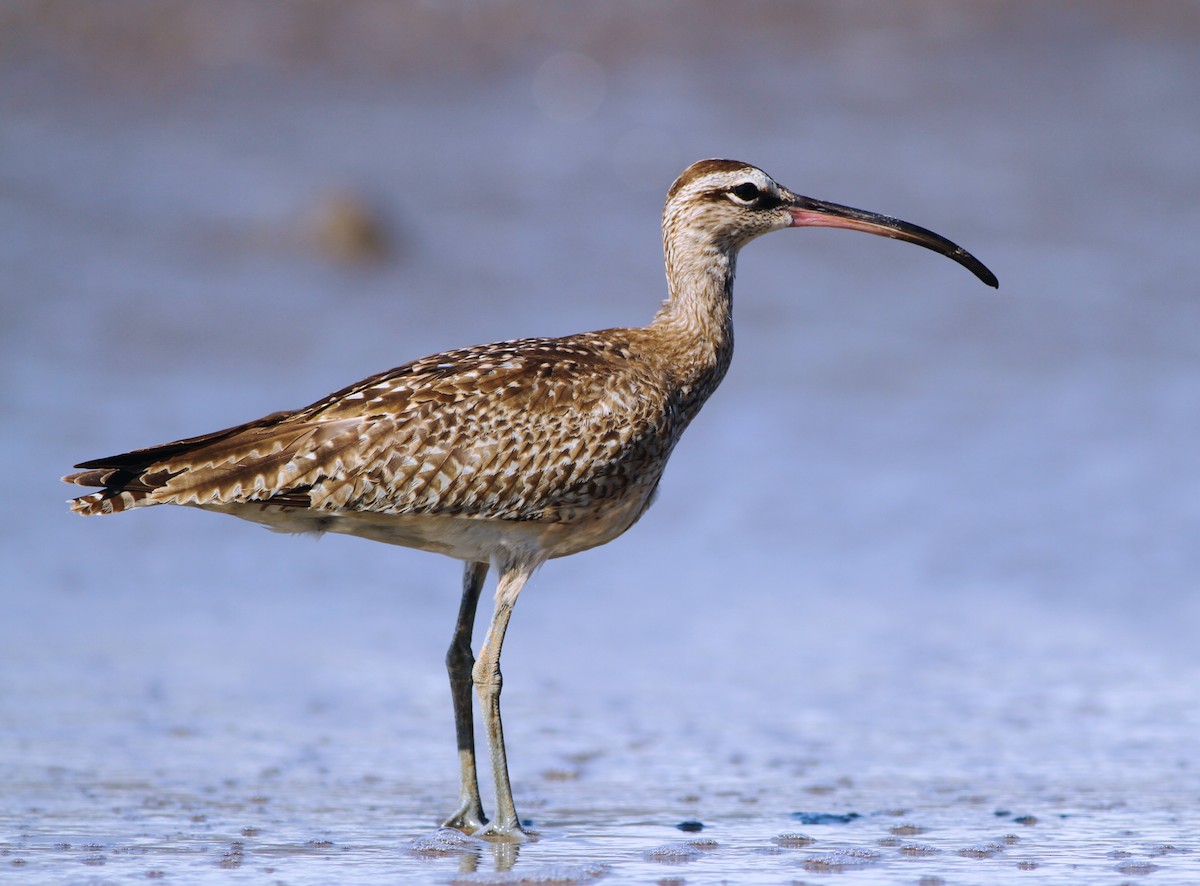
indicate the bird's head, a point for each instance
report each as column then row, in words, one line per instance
column 726, row 204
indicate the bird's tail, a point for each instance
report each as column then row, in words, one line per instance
column 132, row 479
column 117, row 493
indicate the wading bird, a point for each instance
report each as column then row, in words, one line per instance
column 507, row 454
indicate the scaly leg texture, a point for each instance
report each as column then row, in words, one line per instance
column 469, row 816
column 506, row 826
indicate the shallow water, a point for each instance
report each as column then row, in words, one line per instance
column 918, row 600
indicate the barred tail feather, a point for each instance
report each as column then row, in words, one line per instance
column 107, row 501
column 122, row 488
column 130, row 480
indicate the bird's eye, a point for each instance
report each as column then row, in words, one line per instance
column 747, row 192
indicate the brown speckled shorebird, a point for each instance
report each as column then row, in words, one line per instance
column 506, row 454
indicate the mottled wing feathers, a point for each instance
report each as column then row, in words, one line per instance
column 525, row 370
column 526, row 430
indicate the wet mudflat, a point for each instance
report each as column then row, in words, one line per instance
column 218, row 747
column 918, row 602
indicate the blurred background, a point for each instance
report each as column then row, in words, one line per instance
column 931, row 547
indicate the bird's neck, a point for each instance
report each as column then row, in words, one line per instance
column 696, row 320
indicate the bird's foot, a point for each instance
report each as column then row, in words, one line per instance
column 469, row 819
column 498, row 832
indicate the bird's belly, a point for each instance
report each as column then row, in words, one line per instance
column 477, row 539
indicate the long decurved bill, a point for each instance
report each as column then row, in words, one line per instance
column 807, row 212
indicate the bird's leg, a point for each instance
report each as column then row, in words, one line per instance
column 506, row 826
column 469, row 816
